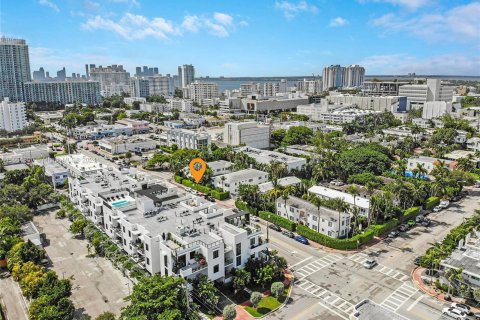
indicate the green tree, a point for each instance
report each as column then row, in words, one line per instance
column 241, row 279
column 298, row 135
column 206, row 290
column 229, row 312
column 255, row 298
column 265, row 275
column 360, row 160
column 153, row 297
column 107, row 315
column 2, row 165
column 277, row 137
column 43, row 308
column 476, row 295
column 277, row 289
column 24, row 252
column 78, row 226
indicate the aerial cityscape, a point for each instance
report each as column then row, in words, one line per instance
column 276, row 159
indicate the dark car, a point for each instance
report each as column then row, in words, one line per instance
column 393, row 234
column 289, row 234
column 426, row 222
column 403, row 227
column 302, row 239
column 209, row 198
column 274, row 227
column 416, row 261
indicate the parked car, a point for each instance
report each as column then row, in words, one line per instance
column 289, row 234
column 477, row 184
column 444, row 204
column 302, row 239
column 416, row 261
column 437, row 209
column 426, row 222
column 454, row 313
column 462, row 307
column 455, row 198
column 254, row 218
column 419, row 219
column 403, row 227
column 476, row 316
column 393, row 234
column 212, row 199
column 274, row 227
column 411, row 223
column 370, row 263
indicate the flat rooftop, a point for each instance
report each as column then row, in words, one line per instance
column 332, row 193
column 265, row 156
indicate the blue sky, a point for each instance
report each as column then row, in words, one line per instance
column 250, row 37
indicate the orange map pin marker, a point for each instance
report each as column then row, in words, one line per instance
column 197, row 168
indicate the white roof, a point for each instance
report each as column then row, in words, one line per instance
column 287, row 181
column 348, row 198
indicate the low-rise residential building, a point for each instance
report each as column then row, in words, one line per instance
column 473, row 144
column 118, row 145
column 155, row 107
column 362, row 203
column 138, row 126
column 188, row 139
column 100, row 131
column 329, row 222
column 79, row 164
column 315, row 126
column 455, row 155
column 164, row 230
column 174, row 124
column 381, row 103
column 250, row 134
column 131, row 100
column 49, row 117
column 231, row 181
column 282, row 182
column 267, row 157
column 403, row 132
column 428, row 163
column 54, row 172
column 220, row 167
column 183, row 105
column 467, row 258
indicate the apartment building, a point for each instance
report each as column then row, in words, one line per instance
column 428, row 163
column 114, row 80
column 137, row 126
column 250, row 134
column 188, row 139
column 466, row 257
column 267, row 157
column 380, row 103
column 54, row 172
column 220, row 167
column 433, row 90
column 152, row 85
column 79, row 164
column 473, row 144
column 186, row 75
column 12, row 115
column 199, row 91
column 329, row 222
column 231, row 181
column 362, row 203
column 309, row 86
column 184, row 105
column 382, row 88
column 14, row 68
column 166, row 231
column 64, row 92
column 255, row 105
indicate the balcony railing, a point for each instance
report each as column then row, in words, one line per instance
column 192, row 269
column 228, row 262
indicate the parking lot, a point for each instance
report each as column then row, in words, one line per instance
column 329, row 284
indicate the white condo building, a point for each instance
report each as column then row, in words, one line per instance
column 114, row 80
column 267, row 156
column 188, row 139
column 329, row 222
column 12, row 115
column 186, row 75
column 362, row 203
column 231, row 181
column 250, row 134
column 310, row 86
column 156, row 85
column 14, row 68
column 354, row 75
column 164, row 230
column 64, row 92
column 336, row 76
column 199, row 91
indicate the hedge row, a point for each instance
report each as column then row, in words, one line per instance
column 411, row 213
column 245, row 207
column 384, row 228
column 220, row 195
column 431, row 202
column 278, row 220
column 340, row 244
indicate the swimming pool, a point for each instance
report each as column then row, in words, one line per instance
column 119, row 203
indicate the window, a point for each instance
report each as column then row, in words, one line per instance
column 148, row 261
column 252, row 241
column 129, row 234
column 238, row 248
column 215, row 268
column 292, row 209
column 165, row 261
column 315, row 218
column 192, row 255
column 146, row 246
column 329, row 223
column 123, row 228
column 215, row 254
column 124, row 242
column 110, row 218
column 239, row 260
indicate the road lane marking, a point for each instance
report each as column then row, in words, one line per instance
column 414, row 303
column 296, row 264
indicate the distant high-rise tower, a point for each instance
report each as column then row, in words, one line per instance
column 354, row 75
column 86, row 71
column 61, row 74
column 14, row 68
column 333, row 77
column 186, row 75
column 39, row 75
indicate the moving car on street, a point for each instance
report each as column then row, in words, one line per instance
column 302, row 239
column 370, row 263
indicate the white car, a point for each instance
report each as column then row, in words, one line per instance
column 370, row 263
column 437, row 209
column 254, row 218
column 462, row 307
column 444, row 203
column 454, row 313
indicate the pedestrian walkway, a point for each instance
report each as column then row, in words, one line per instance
column 392, row 273
column 344, row 307
column 398, row 297
column 317, row 265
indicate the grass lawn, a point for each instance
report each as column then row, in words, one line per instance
column 266, row 305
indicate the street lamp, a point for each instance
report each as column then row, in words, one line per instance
column 267, row 226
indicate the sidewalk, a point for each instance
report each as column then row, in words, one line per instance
column 433, row 292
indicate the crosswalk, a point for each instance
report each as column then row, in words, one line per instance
column 316, row 265
column 398, row 297
column 341, row 305
column 392, row 273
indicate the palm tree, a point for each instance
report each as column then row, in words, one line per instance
column 421, row 170
column 318, row 202
column 453, row 275
column 353, row 191
column 222, row 178
column 370, row 186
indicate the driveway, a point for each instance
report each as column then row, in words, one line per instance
column 96, row 285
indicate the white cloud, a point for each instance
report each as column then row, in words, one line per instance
column 409, row 4
column 398, row 64
column 459, row 24
column 223, row 18
column 338, row 22
column 191, row 23
column 291, row 10
column 132, row 2
column 133, row 27
column 49, row 4
column 243, row 23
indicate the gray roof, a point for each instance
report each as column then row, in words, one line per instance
column 467, row 258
